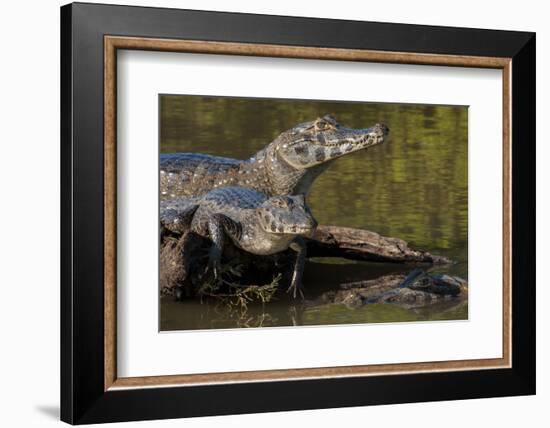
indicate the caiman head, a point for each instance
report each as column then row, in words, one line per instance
column 286, row 215
column 313, row 143
column 296, row 158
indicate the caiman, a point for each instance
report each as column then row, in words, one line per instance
column 287, row 166
column 254, row 222
column 418, row 289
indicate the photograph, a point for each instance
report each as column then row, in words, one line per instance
column 269, row 211
column 292, row 212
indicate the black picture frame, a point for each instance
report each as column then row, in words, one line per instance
column 83, row 398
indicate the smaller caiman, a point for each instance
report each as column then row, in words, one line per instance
column 287, row 166
column 254, row 222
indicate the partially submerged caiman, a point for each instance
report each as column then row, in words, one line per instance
column 287, row 166
column 417, row 289
column 252, row 221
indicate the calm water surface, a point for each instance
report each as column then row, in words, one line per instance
column 413, row 187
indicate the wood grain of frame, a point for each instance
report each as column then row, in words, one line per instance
column 113, row 43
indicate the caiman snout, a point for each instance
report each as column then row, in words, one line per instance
column 307, row 229
column 304, row 223
column 374, row 136
column 381, row 129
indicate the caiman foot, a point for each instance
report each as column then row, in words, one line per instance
column 212, row 273
column 214, row 269
column 295, row 288
column 299, row 246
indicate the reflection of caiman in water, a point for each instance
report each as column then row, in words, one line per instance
column 287, row 166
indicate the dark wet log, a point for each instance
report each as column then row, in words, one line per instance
column 359, row 244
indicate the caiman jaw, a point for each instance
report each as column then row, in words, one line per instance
column 351, row 141
column 306, row 231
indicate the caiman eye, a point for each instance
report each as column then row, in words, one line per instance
column 321, row 125
column 280, row 203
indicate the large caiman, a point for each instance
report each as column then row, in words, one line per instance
column 287, row 166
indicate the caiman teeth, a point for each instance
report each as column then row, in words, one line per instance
column 350, row 141
column 295, row 230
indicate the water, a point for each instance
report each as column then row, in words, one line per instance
column 414, row 187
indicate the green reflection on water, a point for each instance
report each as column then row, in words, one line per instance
column 414, row 187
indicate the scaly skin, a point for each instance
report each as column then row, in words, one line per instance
column 421, row 280
column 287, row 166
column 252, row 221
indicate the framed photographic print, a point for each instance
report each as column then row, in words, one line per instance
column 265, row 213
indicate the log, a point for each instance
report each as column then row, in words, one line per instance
column 184, row 257
column 359, row 244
